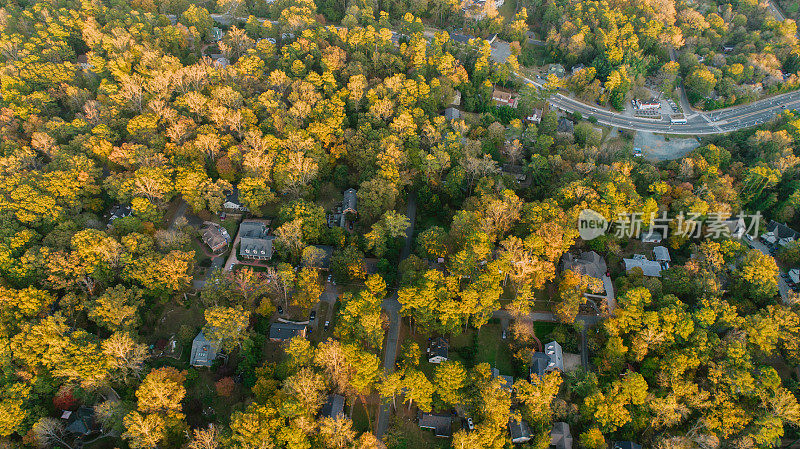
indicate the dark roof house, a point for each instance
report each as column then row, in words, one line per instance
column 519, row 430
column 440, row 424
column 333, row 407
column 258, row 249
column 119, row 211
column 81, row 421
column 232, row 202
column 560, row 436
column 437, row 350
column 452, row 114
column 286, row 331
column 565, row 125
column 204, row 351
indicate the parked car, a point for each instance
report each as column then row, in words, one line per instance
column 329, row 278
column 312, row 316
column 280, row 310
column 504, row 334
column 327, row 325
column 470, row 425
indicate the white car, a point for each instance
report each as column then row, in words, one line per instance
column 470, row 425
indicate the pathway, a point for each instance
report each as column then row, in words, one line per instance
column 392, row 307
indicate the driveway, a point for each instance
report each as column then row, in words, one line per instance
column 392, row 307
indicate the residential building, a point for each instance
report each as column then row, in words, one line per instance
column 550, row 360
column 217, row 34
column 215, row 237
column 256, row 249
column 565, row 125
column 577, row 68
column 625, row 445
column 333, row 407
column 456, row 101
column 504, row 98
column 557, row 70
column 651, row 236
column 662, row 256
column 649, row 267
column 232, row 203
column 794, row 275
column 442, row 425
column 452, row 114
column 519, row 430
column 83, row 62
column 204, row 351
column 438, row 350
column 588, row 263
column 779, row 234
column 349, row 205
column 461, row 38
column 506, row 381
column 535, row 116
column 560, row 436
column 118, row 211
column 254, row 243
column 80, row 422
column 286, row 331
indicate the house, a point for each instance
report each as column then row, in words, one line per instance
column 504, row 98
column 779, row 233
column 286, row 331
column 557, row 70
column 437, row 350
column 506, row 381
column 519, row 430
column 219, row 60
column 625, row 445
column 333, row 407
column 253, row 229
column 215, row 237
column 560, row 436
column 649, row 267
column 794, row 275
column 118, row 211
column 452, row 114
column 461, row 38
column 456, row 99
column 83, row 62
column 577, row 68
column 662, row 255
column 204, row 351
column 588, row 263
column 535, row 116
column 256, row 249
column 652, row 237
column 349, row 203
column 554, row 352
column 440, row 424
column 550, row 360
column 80, row 422
column 565, row 125
column 217, row 34
column 727, row 48
column 232, row 203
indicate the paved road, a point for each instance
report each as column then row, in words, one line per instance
column 392, row 307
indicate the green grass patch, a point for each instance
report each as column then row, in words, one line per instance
column 406, row 434
column 509, row 9
column 492, row 349
column 362, row 419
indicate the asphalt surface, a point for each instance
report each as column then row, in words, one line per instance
column 392, row 307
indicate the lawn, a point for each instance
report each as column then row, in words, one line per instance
column 490, row 348
column 509, row 9
column 361, row 419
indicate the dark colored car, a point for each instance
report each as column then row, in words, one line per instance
column 313, row 315
column 280, row 310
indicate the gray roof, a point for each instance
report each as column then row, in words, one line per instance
column 261, row 248
column 452, row 114
column 625, row 445
column 556, row 355
column 461, row 38
column 782, row 231
column 253, row 229
column 203, row 351
column 507, row 381
column 538, row 366
column 589, row 263
column 560, row 436
column 438, row 347
column 519, row 430
column 565, row 125
column 333, row 407
column 649, row 267
column 81, row 421
column 350, row 201
column 440, row 424
column 286, row 331
column 662, row 254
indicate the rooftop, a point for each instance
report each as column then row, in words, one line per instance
column 649, row 267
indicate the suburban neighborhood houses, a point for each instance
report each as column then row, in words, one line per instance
column 311, row 224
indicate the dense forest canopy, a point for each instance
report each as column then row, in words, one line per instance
column 161, row 108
